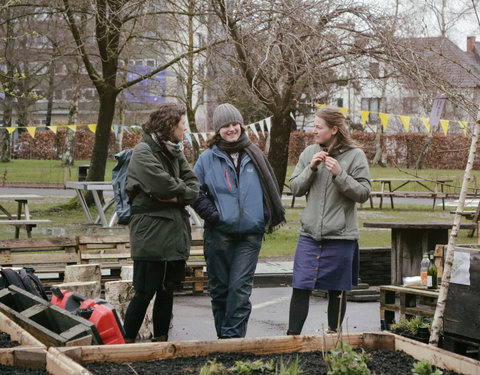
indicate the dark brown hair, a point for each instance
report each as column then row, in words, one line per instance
column 164, row 119
column 334, row 117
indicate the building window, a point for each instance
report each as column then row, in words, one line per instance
column 372, row 105
column 374, row 68
column 150, row 62
column 339, row 102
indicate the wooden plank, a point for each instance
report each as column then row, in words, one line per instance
column 441, row 358
column 60, row 364
column 25, row 222
column 30, row 357
column 407, row 290
column 34, row 259
column 262, row 345
column 37, row 243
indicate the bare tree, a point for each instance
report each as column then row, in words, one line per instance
column 282, row 47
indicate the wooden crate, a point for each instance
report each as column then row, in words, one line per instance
column 50, row 324
column 269, row 345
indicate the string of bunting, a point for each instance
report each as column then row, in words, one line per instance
column 385, row 117
column 263, row 125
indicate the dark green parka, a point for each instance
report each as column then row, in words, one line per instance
column 160, row 231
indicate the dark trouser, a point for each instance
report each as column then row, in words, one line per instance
column 299, row 305
column 162, row 311
column 231, row 262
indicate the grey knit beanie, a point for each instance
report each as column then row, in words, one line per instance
column 226, row 114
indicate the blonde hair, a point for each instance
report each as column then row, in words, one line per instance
column 334, row 117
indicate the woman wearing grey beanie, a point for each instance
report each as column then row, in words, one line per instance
column 239, row 200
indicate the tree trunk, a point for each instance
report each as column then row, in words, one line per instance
column 423, row 153
column 442, row 296
column 7, row 121
column 106, row 112
column 279, row 141
column 377, row 159
column 68, row 155
column 51, row 82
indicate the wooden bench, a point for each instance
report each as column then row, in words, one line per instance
column 407, row 301
column 48, row 256
column 27, row 224
column 406, row 194
column 113, row 252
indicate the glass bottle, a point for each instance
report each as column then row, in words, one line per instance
column 432, row 281
column 424, row 268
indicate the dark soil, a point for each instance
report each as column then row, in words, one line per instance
column 382, row 362
column 6, row 342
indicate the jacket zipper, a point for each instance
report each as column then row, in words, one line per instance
column 228, row 179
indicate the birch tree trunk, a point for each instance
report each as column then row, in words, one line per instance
column 442, row 297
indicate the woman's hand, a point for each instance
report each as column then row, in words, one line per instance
column 333, row 166
column 317, row 159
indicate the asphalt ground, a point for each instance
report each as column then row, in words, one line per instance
column 193, row 319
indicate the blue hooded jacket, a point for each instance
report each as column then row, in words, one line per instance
column 232, row 204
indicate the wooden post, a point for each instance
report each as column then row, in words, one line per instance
column 442, row 297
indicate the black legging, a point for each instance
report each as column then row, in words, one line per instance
column 299, row 305
column 162, row 311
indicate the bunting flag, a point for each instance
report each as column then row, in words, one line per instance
column 364, row 115
column 426, row 123
column 464, row 126
column 262, row 127
column 115, row 130
column 195, row 135
column 384, row 119
column 72, row 127
column 343, row 110
column 10, row 129
column 320, row 105
column 204, row 136
column 53, row 128
column 268, row 122
column 92, row 128
column 31, row 130
column 254, row 130
column 406, row 122
column 445, row 124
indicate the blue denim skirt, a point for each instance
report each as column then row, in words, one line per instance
column 326, row 265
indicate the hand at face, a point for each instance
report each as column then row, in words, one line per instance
column 317, row 159
column 333, row 166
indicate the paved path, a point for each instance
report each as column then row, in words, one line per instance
column 193, row 320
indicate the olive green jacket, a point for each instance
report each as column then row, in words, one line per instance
column 159, row 231
column 331, row 211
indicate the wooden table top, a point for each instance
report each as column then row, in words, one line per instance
column 421, row 225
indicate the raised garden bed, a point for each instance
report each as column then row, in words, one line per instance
column 188, row 356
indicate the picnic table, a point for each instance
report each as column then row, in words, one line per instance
column 95, row 187
column 390, row 188
column 410, row 241
column 102, row 186
column 22, row 217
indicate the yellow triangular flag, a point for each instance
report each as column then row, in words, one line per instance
column 343, row 110
column 73, row 127
column 463, row 125
column 427, row 125
column 53, row 128
column 10, row 129
column 384, row 119
column 31, row 130
column 93, row 127
column 319, row 106
column 406, row 122
column 364, row 115
column 445, row 124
